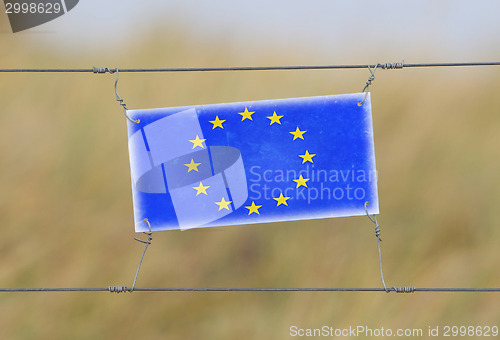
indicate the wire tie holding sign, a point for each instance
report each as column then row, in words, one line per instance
column 373, row 218
column 118, row 98
column 147, row 243
column 385, row 66
column 122, row 289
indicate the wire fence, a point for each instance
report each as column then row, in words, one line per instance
column 397, row 65
column 371, row 67
column 123, row 289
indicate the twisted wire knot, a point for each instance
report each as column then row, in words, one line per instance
column 117, row 289
column 374, row 220
column 392, row 66
column 147, row 233
column 369, row 81
column 403, row 289
column 103, row 70
column 378, row 232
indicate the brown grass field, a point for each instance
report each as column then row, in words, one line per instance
column 66, row 208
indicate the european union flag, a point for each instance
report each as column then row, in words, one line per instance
column 252, row 162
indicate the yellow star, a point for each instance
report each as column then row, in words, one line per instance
column 192, row 165
column 197, row 142
column 301, row 181
column 281, row 200
column 217, row 122
column 275, row 118
column 307, row 157
column 246, row 115
column 223, row 204
column 201, row 189
column 298, row 134
column 253, row 208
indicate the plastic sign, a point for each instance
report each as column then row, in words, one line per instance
column 252, row 162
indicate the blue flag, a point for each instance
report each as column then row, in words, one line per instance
column 252, row 162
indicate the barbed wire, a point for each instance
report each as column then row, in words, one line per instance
column 398, row 65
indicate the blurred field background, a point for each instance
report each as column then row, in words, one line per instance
column 66, row 208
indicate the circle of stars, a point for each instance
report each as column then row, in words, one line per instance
column 253, row 208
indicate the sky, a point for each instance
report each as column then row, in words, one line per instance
column 427, row 30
